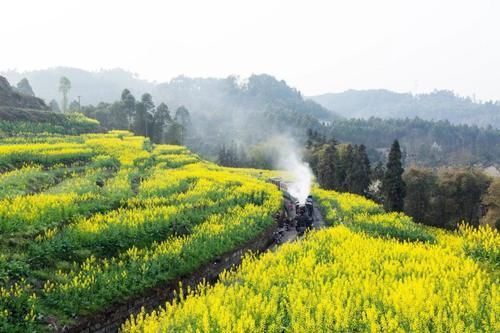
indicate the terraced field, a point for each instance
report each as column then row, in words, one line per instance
column 369, row 271
column 91, row 219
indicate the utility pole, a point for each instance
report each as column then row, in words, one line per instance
column 79, row 105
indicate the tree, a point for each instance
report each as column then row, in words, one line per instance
column 117, row 116
column 24, row 87
column 358, row 170
column 491, row 202
column 421, row 185
column 54, row 106
column 139, row 126
column 459, row 197
column 174, row 134
column 344, row 169
column 182, row 118
column 128, row 101
column 143, row 115
column 364, row 177
column 326, row 167
column 161, row 120
column 64, row 88
column 393, row 186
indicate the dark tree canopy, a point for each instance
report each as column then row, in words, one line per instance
column 326, row 171
column 393, row 186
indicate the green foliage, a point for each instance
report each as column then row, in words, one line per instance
column 342, row 167
column 393, row 186
column 23, row 122
column 448, row 197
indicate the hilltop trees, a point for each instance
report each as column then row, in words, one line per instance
column 24, row 87
column 393, row 186
column 64, row 88
column 143, row 118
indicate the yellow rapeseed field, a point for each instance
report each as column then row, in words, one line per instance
column 348, row 278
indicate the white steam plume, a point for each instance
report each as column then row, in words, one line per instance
column 302, row 176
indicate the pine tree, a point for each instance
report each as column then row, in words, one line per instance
column 326, row 167
column 393, row 186
column 361, row 172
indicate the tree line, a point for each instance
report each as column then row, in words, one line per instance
column 142, row 116
column 347, row 168
column 436, row 197
column 443, row 198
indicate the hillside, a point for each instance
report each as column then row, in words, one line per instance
column 104, row 222
column 11, row 98
column 248, row 114
column 93, row 87
column 223, row 96
column 198, row 94
column 225, row 111
column 87, row 221
column 438, row 105
column 23, row 115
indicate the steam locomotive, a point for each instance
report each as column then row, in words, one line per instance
column 300, row 214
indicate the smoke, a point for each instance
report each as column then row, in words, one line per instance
column 290, row 160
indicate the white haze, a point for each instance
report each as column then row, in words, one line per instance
column 300, row 172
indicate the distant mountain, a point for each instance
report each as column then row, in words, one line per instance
column 10, row 97
column 245, row 112
column 198, row 94
column 258, row 93
column 93, row 87
column 438, row 105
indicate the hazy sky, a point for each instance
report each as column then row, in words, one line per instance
column 316, row 46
